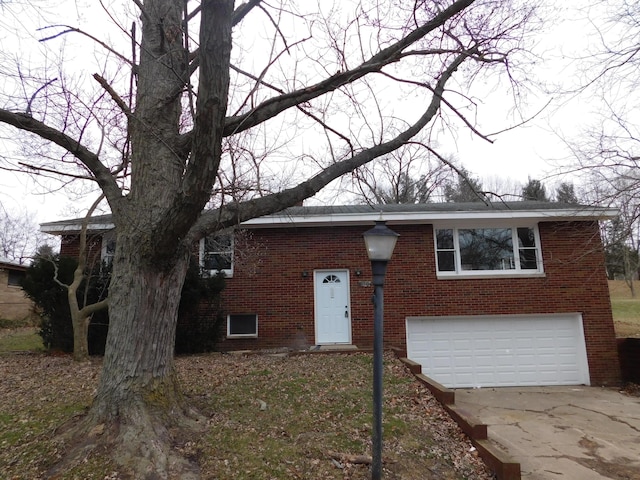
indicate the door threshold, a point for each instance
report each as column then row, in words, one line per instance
column 334, row 346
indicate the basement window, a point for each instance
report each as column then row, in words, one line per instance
column 15, row 278
column 242, row 325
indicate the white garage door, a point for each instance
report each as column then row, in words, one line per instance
column 499, row 351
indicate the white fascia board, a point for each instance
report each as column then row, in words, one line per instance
column 440, row 217
column 67, row 228
column 392, row 218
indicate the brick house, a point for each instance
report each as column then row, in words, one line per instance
column 511, row 294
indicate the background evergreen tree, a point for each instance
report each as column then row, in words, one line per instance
column 465, row 189
column 566, row 193
column 535, row 190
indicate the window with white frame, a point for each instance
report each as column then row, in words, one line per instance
column 244, row 325
column 492, row 250
column 108, row 247
column 216, row 254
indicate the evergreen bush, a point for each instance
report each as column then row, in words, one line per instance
column 199, row 322
column 51, row 300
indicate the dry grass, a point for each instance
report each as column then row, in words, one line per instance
column 270, row 417
column 23, row 339
column 626, row 309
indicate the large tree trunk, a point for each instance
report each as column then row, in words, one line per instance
column 138, row 362
column 138, row 413
column 138, row 409
column 138, row 399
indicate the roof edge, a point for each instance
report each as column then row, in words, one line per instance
column 393, row 215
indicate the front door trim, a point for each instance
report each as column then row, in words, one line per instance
column 341, row 335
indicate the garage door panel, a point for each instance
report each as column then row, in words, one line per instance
column 499, row 351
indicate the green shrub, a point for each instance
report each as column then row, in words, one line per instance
column 199, row 322
column 51, row 299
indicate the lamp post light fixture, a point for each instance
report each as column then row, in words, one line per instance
column 380, row 242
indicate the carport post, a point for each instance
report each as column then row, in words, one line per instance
column 380, row 242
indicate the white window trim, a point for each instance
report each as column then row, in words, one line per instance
column 228, row 272
column 106, row 238
column 241, row 335
column 458, row 273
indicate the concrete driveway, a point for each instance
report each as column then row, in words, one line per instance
column 566, row 433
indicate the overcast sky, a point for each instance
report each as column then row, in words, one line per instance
column 532, row 150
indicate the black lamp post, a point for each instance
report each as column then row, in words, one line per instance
column 380, row 242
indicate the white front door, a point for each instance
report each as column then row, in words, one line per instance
column 333, row 309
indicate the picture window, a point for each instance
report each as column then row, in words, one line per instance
column 491, row 250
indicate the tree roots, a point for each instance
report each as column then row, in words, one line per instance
column 141, row 443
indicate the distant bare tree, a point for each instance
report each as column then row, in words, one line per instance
column 607, row 152
column 502, row 188
column 20, row 235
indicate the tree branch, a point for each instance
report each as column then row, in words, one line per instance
column 235, row 213
column 272, row 107
column 101, row 173
column 81, row 32
column 113, row 94
column 36, row 168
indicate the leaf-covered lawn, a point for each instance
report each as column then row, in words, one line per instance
column 269, row 417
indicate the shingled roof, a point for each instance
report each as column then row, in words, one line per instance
column 392, row 213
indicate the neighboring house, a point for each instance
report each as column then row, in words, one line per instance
column 506, row 294
column 14, row 304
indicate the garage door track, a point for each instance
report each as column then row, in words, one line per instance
column 579, row 432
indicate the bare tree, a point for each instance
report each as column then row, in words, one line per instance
column 408, row 175
column 607, row 151
column 621, row 236
column 502, row 188
column 81, row 316
column 20, row 236
column 151, row 138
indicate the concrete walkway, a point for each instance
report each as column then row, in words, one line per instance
column 581, row 433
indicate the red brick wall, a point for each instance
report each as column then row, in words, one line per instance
column 268, row 281
column 276, row 290
column 70, row 247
